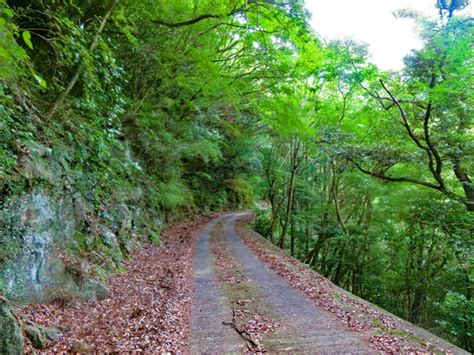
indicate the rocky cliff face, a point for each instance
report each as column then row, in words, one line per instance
column 36, row 229
column 60, row 233
column 63, row 229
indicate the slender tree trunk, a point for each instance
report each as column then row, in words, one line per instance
column 339, row 268
column 310, row 254
column 292, row 230
column 306, row 239
column 324, row 258
column 467, row 184
column 290, row 194
column 79, row 70
column 276, row 206
column 272, row 197
column 288, row 212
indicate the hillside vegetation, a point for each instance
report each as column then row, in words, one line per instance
column 120, row 116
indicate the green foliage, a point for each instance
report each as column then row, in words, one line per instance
column 457, row 311
column 12, row 56
column 262, row 221
column 364, row 175
column 154, row 238
column 382, row 199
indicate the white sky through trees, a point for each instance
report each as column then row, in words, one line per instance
column 372, row 22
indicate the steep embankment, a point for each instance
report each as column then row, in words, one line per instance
column 64, row 228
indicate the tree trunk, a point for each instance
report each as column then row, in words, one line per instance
column 466, row 183
column 275, row 216
column 77, row 74
column 288, row 212
column 290, row 194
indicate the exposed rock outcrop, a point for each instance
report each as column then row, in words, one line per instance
column 36, row 227
column 60, row 236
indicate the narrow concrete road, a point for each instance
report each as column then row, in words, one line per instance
column 304, row 327
column 209, row 307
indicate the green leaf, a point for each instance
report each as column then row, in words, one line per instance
column 7, row 12
column 40, row 80
column 27, row 38
column 3, row 52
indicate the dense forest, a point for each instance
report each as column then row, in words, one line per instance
column 182, row 107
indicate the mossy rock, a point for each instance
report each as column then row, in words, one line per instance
column 94, row 289
column 11, row 339
column 37, row 337
column 40, row 336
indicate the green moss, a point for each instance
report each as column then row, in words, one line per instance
column 37, row 336
column 9, row 235
column 11, row 339
column 376, row 322
column 154, row 237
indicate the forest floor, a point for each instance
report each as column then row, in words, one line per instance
column 216, row 286
column 148, row 306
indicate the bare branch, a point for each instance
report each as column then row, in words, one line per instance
column 187, row 22
column 404, row 118
column 382, row 176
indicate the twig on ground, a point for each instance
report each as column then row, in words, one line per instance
column 253, row 343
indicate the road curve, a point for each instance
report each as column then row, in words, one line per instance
column 304, row 327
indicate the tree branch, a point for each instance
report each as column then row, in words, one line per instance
column 187, row 22
column 235, row 10
column 382, row 176
column 439, row 163
column 404, row 118
column 200, row 18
